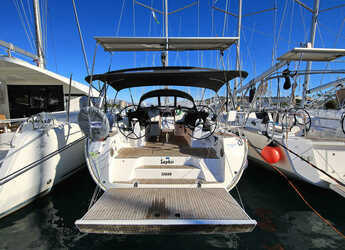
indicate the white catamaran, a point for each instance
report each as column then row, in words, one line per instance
column 41, row 143
column 167, row 165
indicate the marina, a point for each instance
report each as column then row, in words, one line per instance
column 284, row 221
column 155, row 133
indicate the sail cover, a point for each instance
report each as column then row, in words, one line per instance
column 162, row 44
column 168, row 76
column 312, row 54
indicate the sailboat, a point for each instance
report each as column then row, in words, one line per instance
column 166, row 166
column 41, row 143
column 288, row 138
column 291, row 137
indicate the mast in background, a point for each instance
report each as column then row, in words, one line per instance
column 39, row 46
column 238, row 59
column 311, row 41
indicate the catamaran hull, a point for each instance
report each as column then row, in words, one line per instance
column 38, row 161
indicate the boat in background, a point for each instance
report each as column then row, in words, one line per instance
column 288, row 137
column 41, row 143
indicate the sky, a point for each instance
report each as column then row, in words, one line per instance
column 262, row 34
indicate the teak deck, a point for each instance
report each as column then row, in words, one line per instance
column 166, row 150
column 176, row 146
column 166, row 210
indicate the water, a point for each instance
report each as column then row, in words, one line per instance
column 284, row 221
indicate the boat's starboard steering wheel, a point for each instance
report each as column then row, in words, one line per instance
column 204, row 118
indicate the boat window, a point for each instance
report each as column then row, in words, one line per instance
column 184, row 102
column 27, row 100
column 153, row 101
column 167, row 101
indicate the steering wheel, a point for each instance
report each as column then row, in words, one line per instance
column 131, row 120
column 301, row 117
column 205, row 118
column 288, row 120
column 342, row 122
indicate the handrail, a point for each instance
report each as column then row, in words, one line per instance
column 13, row 48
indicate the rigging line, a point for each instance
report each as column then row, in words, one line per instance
column 82, row 41
column 323, row 45
column 134, row 32
column 120, row 18
column 212, row 25
column 46, row 27
column 53, row 40
column 177, row 57
column 304, row 25
column 274, row 22
column 31, row 17
column 249, row 53
column 26, row 20
column 310, row 163
column 225, row 17
column 198, row 29
column 339, row 32
column 212, row 19
column 262, row 33
column 228, row 90
column 150, row 30
column 291, row 23
column 281, row 24
column 300, row 194
column 337, row 36
column 23, row 24
column 275, row 14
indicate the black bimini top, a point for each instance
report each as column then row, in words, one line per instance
column 168, row 76
column 166, row 92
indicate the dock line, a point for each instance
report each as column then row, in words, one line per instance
column 300, row 195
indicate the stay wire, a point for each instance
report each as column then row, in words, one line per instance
column 26, row 20
column 23, row 24
column 310, row 163
column 120, row 18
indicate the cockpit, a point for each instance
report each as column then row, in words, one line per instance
column 167, row 111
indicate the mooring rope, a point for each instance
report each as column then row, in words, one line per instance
column 310, row 163
column 300, row 195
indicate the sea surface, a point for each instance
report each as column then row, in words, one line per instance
column 284, row 221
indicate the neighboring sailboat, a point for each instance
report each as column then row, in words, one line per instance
column 297, row 146
column 41, row 143
column 167, row 166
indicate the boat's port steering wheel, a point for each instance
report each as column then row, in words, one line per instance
column 133, row 123
column 205, row 118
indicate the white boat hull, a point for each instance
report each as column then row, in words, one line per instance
column 327, row 155
column 38, row 160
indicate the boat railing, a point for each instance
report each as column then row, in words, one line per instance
column 39, row 121
column 12, row 48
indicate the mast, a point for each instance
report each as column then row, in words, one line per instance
column 311, row 40
column 41, row 61
column 238, row 66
